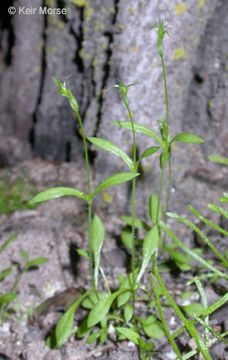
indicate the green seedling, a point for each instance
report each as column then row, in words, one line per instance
column 7, row 299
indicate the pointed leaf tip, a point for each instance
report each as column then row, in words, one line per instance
column 188, row 138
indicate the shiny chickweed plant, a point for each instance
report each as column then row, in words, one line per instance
column 119, row 307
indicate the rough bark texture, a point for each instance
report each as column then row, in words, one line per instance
column 97, row 43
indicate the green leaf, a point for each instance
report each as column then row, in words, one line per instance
column 129, row 334
column 128, row 312
column 194, row 309
column 92, row 299
column 103, row 337
column 224, row 198
column 4, row 273
column 218, row 159
column 93, row 337
column 126, row 238
column 114, row 180
column 182, row 266
column 7, row 242
column 218, row 209
column 139, row 224
column 114, row 149
column 100, row 310
column 24, row 254
column 148, row 152
column 7, row 298
column 187, row 294
column 83, row 329
column 125, row 283
column 57, row 192
column 153, row 208
column 180, row 259
column 150, row 246
column 188, row 138
column 148, row 321
column 64, row 326
column 35, row 262
column 97, row 239
column 138, row 128
column 83, row 252
column 154, row 330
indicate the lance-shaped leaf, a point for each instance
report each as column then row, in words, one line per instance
column 57, row 192
column 128, row 334
column 218, row 159
column 100, row 310
column 7, row 298
column 35, row 262
column 150, row 246
column 114, row 149
column 97, row 239
column 64, row 328
column 113, row 180
column 218, row 209
column 225, row 198
column 153, row 208
column 138, row 128
column 5, row 272
column 138, row 224
column 149, row 151
column 7, row 242
column 188, row 138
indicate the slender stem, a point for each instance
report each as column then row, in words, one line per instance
column 168, row 189
column 159, row 196
column 166, row 92
column 189, row 326
column 167, row 139
column 105, row 280
column 85, row 151
column 18, row 279
column 89, row 202
column 133, row 210
column 171, row 340
column 205, row 305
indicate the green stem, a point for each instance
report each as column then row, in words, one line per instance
column 205, row 305
column 133, row 209
column 18, row 279
column 168, row 189
column 166, row 92
column 85, row 151
column 160, row 191
column 189, row 326
column 89, row 202
column 171, row 340
column 105, row 280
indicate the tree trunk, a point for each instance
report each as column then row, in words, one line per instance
column 97, row 43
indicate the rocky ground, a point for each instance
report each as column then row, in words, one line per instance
column 55, row 230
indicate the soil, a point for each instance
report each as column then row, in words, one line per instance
column 55, row 230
